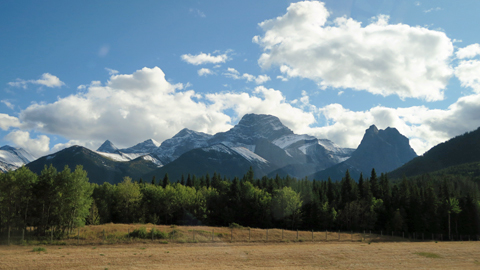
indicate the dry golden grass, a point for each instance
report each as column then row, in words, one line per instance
column 221, row 255
column 118, row 233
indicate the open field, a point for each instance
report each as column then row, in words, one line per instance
column 299, row 255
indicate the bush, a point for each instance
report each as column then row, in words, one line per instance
column 234, row 225
column 39, row 249
column 143, row 234
column 139, row 233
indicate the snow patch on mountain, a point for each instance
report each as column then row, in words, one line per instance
column 249, row 155
column 12, row 158
column 285, row 141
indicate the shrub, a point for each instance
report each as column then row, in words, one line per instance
column 143, row 234
column 234, row 225
column 39, row 249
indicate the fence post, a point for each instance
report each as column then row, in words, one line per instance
column 9, row 235
column 267, row 234
column 213, row 233
column 338, row 235
column 282, row 234
column 193, row 235
column 351, row 236
column 51, row 234
column 364, row 239
column 297, row 234
column 326, row 235
column 249, row 234
column 103, row 235
column 312, row 236
column 78, row 235
column 231, row 235
column 128, row 234
column 23, row 235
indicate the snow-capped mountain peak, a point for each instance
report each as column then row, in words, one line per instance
column 148, row 146
column 107, row 147
column 12, row 158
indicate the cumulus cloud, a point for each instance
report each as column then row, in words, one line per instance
column 381, row 58
column 47, row 80
column 7, row 121
column 205, row 72
column 468, row 52
column 234, row 74
column 432, row 9
column 204, row 58
column 468, row 72
column 38, row 147
column 125, row 110
column 263, row 101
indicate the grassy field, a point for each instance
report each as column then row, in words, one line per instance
column 193, row 248
column 118, row 233
column 300, row 255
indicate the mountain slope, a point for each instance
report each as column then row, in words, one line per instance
column 456, row 151
column 383, row 150
column 219, row 158
column 12, row 158
column 99, row 168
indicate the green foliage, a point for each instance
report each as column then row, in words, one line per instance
column 39, row 249
column 234, row 225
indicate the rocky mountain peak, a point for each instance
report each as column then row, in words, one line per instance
column 253, row 127
column 107, row 147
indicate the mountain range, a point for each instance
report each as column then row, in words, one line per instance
column 261, row 142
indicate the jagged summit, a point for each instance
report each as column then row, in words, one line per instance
column 107, row 147
column 11, row 158
column 148, row 146
column 251, row 128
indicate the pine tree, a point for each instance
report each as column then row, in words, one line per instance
column 166, row 181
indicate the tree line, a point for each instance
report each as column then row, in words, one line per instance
column 60, row 201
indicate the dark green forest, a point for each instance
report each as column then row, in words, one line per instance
column 61, row 201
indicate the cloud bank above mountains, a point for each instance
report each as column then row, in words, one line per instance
column 379, row 58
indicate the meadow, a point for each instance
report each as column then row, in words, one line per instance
column 231, row 248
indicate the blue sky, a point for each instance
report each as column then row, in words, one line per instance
column 81, row 72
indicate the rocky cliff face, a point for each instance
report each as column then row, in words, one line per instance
column 384, row 150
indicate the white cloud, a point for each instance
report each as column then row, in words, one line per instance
column 125, row 110
column 197, row 12
column 283, row 79
column 8, row 104
column 7, row 121
column 47, row 80
column 37, row 147
column 468, row 72
column 204, row 58
column 433, row 9
column 382, row 58
column 111, row 71
column 104, row 50
column 468, row 52
column 205, row 72
column 234, row 74
column 263, row 101
column 60, row 146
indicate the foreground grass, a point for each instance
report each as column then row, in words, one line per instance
column 241, row 255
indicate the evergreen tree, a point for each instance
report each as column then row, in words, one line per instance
column 166, row 181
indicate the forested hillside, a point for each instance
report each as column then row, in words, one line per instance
column 456, row 151
column 63, row 200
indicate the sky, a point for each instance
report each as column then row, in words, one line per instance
column 82, row 72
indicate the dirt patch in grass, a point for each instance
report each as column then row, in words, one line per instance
column 244, row 255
